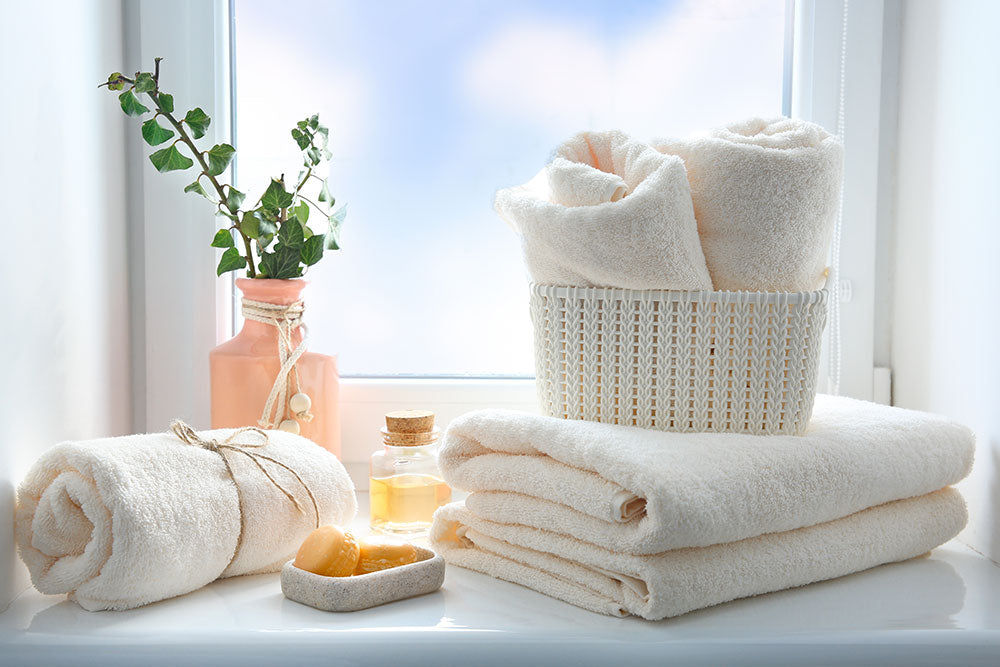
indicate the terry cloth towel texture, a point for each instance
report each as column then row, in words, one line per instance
column 579, row 184
column 679, row 581
column 644, row 492
column 121, row 522
column 765, row 196
column 647, row 239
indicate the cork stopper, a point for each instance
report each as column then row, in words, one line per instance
column 409, row 421
column 409, row 428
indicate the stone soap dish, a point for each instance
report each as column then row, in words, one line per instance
column 362, row 591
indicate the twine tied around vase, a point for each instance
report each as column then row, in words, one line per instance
column 189, row 436
column 284, row 318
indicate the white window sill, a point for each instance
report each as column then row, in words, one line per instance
column 936, row 610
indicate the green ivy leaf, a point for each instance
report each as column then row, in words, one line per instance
column 234, row 198
column 250, row 225
column 302, row 212
column 170, row 159
column 144, row 83
column 130, row 105
column 302, row 124
column 333, row 232
column 276, row 197
column 290, row 234
column 262, row 244
column 115, row 81
column 223, row 239
column 314, row 121
column 198, row 190
column 166, row 102
column 324, row 194
column 282, row 264
column 219, row 156
column 314, row 155
column 301, row 139
column 268, row 230
column 154, row 134
column 230, row 261
column 312, row 250
column 257, row 228
column 198, row 121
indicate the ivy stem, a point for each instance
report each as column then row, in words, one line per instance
column 303, row 181
column 183, row 136
column 317, row 206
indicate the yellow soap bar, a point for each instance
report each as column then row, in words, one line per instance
column 377, row 556
column 329, row 551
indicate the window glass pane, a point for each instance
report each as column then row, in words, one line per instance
column 433, row 106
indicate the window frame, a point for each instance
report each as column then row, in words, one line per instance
column 163, row 328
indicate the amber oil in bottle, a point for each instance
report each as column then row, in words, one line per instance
column 405, row 484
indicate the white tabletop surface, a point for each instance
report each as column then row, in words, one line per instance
column 939, row 610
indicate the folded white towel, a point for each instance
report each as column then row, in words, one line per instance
column 676, row 582
column 765, row 196
column 121, row 522
column 648, row 239
column 641, row 491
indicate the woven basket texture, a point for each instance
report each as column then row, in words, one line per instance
column 743, row 362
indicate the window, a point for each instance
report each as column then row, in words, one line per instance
column 433, row 105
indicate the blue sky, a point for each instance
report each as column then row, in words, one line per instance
column 433, row 106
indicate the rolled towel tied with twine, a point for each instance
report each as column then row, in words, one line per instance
column 118, row 523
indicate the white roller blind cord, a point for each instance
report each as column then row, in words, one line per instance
column 835, row 351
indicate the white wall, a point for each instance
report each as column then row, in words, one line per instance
column 64, row 326
column 946, row 242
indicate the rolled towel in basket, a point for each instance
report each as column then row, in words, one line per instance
column 679, row 581
column 646, row 239
column 578, row 184
column 121, row 522
column 765, row 196
column 642, row 491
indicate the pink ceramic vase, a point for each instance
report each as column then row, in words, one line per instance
column 243, row 371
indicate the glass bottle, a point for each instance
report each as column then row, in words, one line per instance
column 405, row 482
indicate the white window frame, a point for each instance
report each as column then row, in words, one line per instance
column 816, row 90
column 171, row 322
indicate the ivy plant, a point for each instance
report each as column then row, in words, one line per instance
column 277, row 225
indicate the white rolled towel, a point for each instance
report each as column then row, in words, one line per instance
column 765, row 196
column 117, row 523
column 642, row 491
column 676, row 582
column 578, row 184
column 579, row 228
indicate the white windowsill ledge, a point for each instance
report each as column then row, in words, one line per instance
column 928, row 611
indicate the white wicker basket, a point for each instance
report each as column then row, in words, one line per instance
column 679, row 361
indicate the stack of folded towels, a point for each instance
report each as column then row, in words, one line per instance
column 621, row 520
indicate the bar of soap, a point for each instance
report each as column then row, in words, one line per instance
column 329, row 551
column 376, row 556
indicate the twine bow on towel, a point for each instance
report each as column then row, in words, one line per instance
column 189, row 436
column 284, row 318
